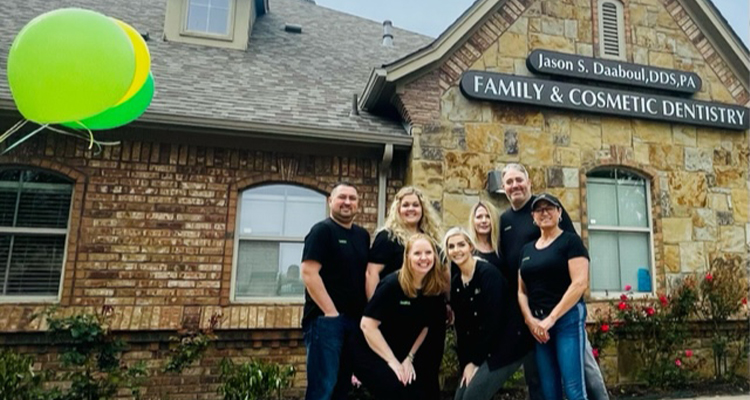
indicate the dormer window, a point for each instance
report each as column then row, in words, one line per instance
column 209, row 17
column 217, row 23
column 611, row 30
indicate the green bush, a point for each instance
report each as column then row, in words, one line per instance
column 91, row 356
column 18, row 381
column 254, row 380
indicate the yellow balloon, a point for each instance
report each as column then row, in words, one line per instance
column 142, row 60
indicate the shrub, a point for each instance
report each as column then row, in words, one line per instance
column 659, row 331
column 18, row 381
column 191, row 345
column 92, row 356
column 254, row 380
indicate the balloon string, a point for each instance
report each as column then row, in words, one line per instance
column 25, row 138
column 13, row 129
column 81, row 136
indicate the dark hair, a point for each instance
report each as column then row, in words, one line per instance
column 343, row 183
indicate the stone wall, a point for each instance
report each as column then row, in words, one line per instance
column 698, row 176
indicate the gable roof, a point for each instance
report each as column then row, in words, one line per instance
column 381, row 85
column 293, row 82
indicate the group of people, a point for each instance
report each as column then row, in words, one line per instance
column 512, row 286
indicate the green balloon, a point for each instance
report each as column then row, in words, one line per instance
column 121, row 114
column 69, row 64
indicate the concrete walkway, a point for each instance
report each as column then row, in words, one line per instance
column 720, row 397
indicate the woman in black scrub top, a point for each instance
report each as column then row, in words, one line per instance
column 409, row 213
column 483, row 227
column 553, row 276
column 397, row 321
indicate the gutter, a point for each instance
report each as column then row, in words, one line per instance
column 251, row 128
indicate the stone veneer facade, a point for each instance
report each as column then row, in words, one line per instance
column 698, row 176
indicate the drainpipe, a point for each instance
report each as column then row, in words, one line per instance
column 385, row 168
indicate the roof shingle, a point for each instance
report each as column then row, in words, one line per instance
column 305, row 79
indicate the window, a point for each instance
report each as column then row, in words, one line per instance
column 272, row 223
column 34, row 214
column 619, row 231
column 211, row 17
column 611, row 30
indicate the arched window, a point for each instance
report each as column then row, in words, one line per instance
column 272, row 223
column 611, row 30
column 620, row 232
column 34, row 215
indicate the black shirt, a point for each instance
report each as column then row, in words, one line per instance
column 483, row 323
column 402, row 318
column 388, row 252
column 492, row 258
column 342, row 254
column 516, row 229
column 545, row 272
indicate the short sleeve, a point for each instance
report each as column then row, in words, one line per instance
column 383, row 300
column 316, row 243
column 382, row 248
column 575, row 247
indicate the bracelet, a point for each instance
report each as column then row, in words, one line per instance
column 410, row 356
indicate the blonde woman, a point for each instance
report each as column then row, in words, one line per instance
column 481, row 300
column 483, row 228
column 397, row 321
column 410, row 213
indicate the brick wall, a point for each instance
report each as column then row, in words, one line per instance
column 152, row 227
column 198, row 381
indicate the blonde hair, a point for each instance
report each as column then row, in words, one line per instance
column 429, row 224
column 455, row 231
column 494, row 222
column 435, row 283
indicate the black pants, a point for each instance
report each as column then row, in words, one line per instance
column 428, row 359
column 381, row 381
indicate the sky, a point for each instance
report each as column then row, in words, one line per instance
column 430, row 17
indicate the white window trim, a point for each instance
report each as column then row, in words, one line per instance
column 229, row 37
column 609, row 295
column 620, row 29
column 15, row 299
column 233, row 298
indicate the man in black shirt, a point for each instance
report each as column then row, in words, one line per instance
column 516, row 229
column 334, row 261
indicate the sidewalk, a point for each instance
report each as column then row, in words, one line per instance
column 745, row 396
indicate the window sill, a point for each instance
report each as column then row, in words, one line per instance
column 28, row 300
column 597, row 297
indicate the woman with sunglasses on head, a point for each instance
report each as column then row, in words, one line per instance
column 397, row 321
column 553, row 276
column 410, row 213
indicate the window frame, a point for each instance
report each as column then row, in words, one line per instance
column 231, row 17
column 13, row 299
column 233, row 298
column 620, row 8
column 607, row 294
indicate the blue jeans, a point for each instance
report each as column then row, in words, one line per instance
column 329, row 356
column 561, row 358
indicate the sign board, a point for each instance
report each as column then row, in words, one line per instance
column 482, row 85
column 595, row 69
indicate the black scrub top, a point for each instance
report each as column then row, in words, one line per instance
column 545, row 272
column 402, row 318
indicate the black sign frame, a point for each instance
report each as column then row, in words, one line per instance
column 611, row 71
column 539, row 92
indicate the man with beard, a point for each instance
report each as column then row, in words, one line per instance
column 334, row 262
column 516, row 229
